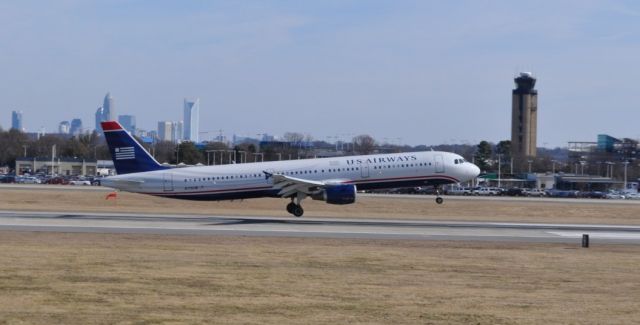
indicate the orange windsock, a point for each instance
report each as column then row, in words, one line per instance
column 112, row 195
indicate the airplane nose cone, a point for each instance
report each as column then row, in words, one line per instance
column 473, row 171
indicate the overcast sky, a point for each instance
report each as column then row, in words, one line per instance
column 419, row 72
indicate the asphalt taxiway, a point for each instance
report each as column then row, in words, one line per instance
column 314, row 227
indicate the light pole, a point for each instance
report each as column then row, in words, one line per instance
column 626, row 163
column 24, row 146
column 53, row 156
column 553, row 166
column 582, row 163
column 529, row 161
column 499, row 170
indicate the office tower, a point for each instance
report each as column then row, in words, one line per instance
column 524, row 113
column 191, row 119
column 165, row 130
column 109, row 113
column 177, row 131
column 64, row 127
column 16, row 120
column 128, row 122
column 99, row 118
column 76, row 127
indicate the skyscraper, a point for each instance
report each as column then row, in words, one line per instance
column 16, row 120
column 524, row 117
column 106, row 112
column 128, row 122
column 177, row 131
column 99, row 118
column 64, row 127
column 191, row 119
column 109, row 113
column 165, row 130
column 76, row 127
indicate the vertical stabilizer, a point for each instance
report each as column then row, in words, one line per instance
column 127, row 154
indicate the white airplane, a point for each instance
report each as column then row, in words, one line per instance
column 333, row 180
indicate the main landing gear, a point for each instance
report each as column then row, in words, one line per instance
column 439, row 199
column 295, row 208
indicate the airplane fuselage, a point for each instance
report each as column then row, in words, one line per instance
column 252, row 180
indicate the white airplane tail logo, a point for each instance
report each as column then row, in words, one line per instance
column 125, row 153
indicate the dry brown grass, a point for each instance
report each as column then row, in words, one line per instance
column 365, row 207
column 61, row 278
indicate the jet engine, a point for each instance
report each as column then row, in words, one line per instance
column 337, row 194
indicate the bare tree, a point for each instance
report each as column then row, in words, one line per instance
column 364, row 144
column 293, row 137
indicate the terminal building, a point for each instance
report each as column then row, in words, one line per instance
column 57, row 166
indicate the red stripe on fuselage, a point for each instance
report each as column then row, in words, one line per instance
column 243, row 189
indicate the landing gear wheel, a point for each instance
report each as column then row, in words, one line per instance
column 439, row 200
column 290, row 207
column 297, row 211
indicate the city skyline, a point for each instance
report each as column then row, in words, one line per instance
column 423, row 72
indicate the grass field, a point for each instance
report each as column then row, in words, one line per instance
column 76, row 278
column 140, row 279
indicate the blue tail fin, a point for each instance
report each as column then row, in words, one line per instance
column 127, row 154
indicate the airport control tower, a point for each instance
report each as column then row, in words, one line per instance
column 524, row 117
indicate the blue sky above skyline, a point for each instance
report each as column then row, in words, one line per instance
column 425, row 72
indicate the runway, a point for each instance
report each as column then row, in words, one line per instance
column 314, row 227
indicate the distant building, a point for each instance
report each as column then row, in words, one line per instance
column 64, row 127
column 191, row 119
column 177, row 131
column 109, row 111
column 128, row 122
column 524, row 117
column 165, row 130
column 59, row 166
column 605, row 152
column 99, row 118
column 16, row 120
column 105, row 112
column 76, row 127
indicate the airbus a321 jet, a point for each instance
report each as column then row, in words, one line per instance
column 333, row 180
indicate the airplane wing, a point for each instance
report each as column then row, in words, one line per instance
column 289, row 186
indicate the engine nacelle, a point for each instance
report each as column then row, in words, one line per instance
column 337, row 194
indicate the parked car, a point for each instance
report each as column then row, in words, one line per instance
column 593, row 195
column 632, row 196
column 8, row 179
column 534, row 192
column 459, row 191
column 57, row 180
column 562, row 193
column 27, row 180
column 486, row 191
column 80, row 182
column 614, row 195
column 515, row 191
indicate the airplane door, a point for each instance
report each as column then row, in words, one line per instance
column 364, row 170
column 439, row 162
column 167, row 182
